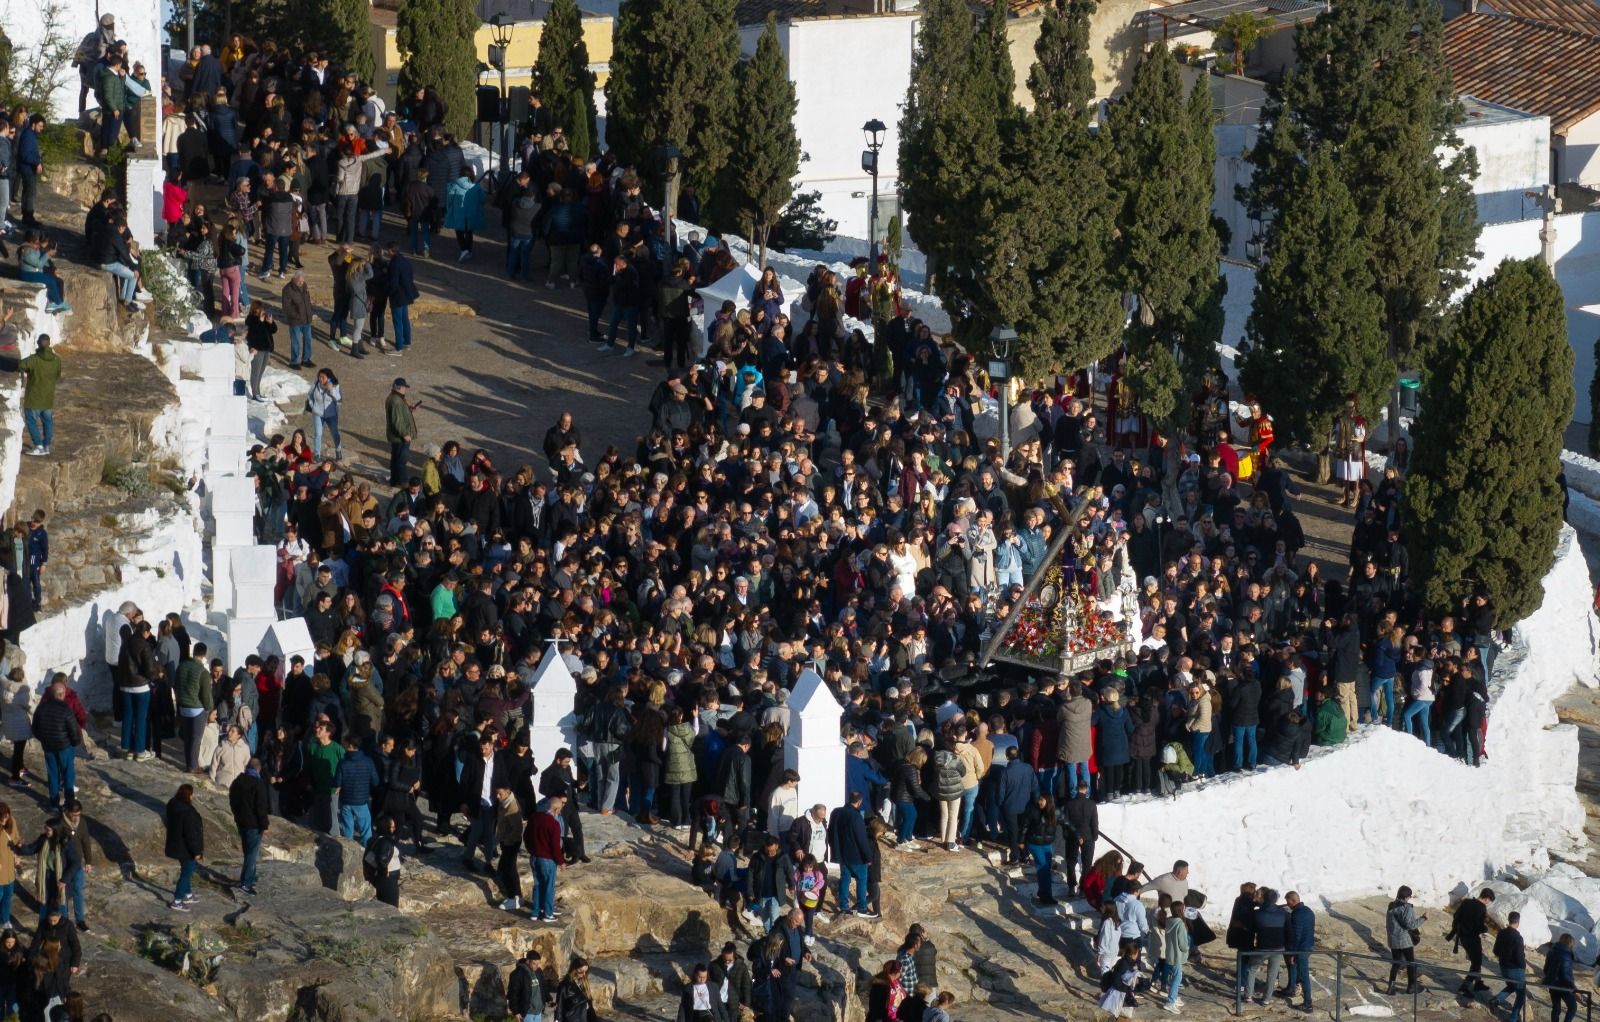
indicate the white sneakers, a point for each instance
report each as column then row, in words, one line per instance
column 511, row 904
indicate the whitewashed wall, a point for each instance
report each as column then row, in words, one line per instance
column 1383, row 810
column 28, row 21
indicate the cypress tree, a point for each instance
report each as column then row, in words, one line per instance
column 1483, row 508
column 958, row 111
column 1168, row 249
column 348, row 40
column 561, row 75
column 761, row 178
column 1371, row 87
column 669, row 83
column 1047, row 247
column 1316, row 327
column 437, row 51
column 1062, row 77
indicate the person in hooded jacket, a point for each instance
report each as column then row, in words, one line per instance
column 1558, row 976
column 1113, row 732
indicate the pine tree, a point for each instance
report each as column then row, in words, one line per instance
column 761, row 180
column 1168, row 250
column 1483, row 508
column 561, row 75
column 1316, row 327
column 669, row 83
column 1062, row 78
column 437, row 50
column 958, row 112
column 1371, row 87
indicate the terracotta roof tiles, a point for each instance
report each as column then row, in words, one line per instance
column 1526, row 65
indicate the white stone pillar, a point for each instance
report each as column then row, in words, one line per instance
column 813, row 747
column 553, row 724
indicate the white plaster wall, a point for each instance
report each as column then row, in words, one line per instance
column 1382, row 809
column 1513, row 158
column 872, row 54
column 1578, row 154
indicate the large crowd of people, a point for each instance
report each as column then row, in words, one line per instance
column 805, row 495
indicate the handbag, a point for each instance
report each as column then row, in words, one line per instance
column 1416, row 937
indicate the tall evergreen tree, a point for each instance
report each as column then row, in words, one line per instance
column 1169, row 253
column 437, row 50
column 1316, row 327
column 349, row 41
column 1371, row 87
column 1483, row 508
column 670, row 83
column 1062, row 77
column 958, row 111
column 561, row 75
column 761, row 180
column 1047, row 247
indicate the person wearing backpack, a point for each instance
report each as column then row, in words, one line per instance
column 380, row 862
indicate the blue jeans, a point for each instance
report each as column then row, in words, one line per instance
column 544, row 887
column 518, row 251
column 41, row 423
column 1043, row 860
column 369, row 223
column 857, row 873
column 401, row 314
column 280, row 244
column 1076, row 772
column 1386, row 686
column 317, row 423
column 61, row 771
column 251, row 840
column 768, row 909
column 356, row 822
column 1175, row 981
column 135, row 720
column 418, row 230
column 1516, row 983
column 969, row 798
column 75, row 892
column 1200, row 754
column 1047, row 781
column 52, row 287
column 185, row 880
column 628, row 314
column 1300, row 974
column 6, row 891
column 906, row 815
column 1244, row 736
column 1421, row 712
column 300, row 344
column 125, row 280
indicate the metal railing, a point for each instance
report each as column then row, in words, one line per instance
column 1244, row 967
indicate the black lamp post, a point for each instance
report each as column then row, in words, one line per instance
column 873, row 130
column 500, row 27
column 1001, row 340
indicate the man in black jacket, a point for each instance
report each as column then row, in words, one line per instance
column 1080, row 829
column 525, row 993
column 730, row 984
column 251, row 802
column 1512, row 957
column 733, row 784
column 56, row 926
column 558, row 779
column 56, row 727
column 1471, row 923
column 1271, row 929
column 480, row 777
column 851, row 847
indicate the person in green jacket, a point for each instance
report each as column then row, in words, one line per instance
column 111, row 93
column 192, row 689
column 41, row 371
column 400, row 427
column 444, row 600
column 323, row 756
column 1331, row 725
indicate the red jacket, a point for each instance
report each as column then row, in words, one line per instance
column 76, row 706
column 543, row 837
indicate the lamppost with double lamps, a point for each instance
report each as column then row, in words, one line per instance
column 873, row 130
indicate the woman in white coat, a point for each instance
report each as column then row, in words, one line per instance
column 230, row 759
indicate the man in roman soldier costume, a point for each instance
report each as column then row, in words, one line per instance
column 1350, row 450
column 1259, row 424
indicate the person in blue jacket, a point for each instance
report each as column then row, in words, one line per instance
column 1558, row 977
column 402, row 292
column 860, row 775
column 1113, row 731
column 1299, row 940
column 463, row 211
column 1018, row 787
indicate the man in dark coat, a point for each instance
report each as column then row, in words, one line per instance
column 851, row 847
column 734, row 785
column 730, row 978
column 558, row 779
column 1471, row 923
column 250, row 798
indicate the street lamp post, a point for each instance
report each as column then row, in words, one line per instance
column 1000, row 342
column 873, row 130
column 500, row 26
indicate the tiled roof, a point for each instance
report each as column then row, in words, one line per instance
column 1525, row 65
column 754, row 12
column 1580, row 15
